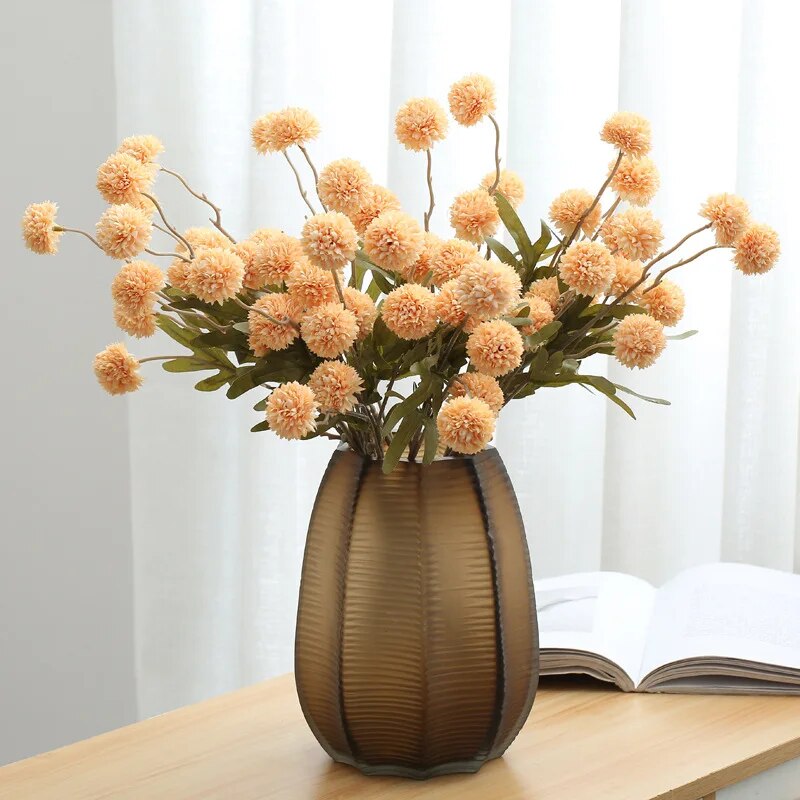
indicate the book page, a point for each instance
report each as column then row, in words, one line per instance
column 726, row 611
column 603, row 613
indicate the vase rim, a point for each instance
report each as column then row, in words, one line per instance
column 345, row 448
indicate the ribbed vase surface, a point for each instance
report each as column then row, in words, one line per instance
column 417, row 645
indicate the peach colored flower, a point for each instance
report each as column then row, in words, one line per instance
column 329, row 240
column 203, row 237
column 487, row 289
column 247, row 250
column 728, row 215
column 363, row 307
column 635, row 233
column 626, row 274
column 474, row 215
column 144, row 148
column 140, row 322
column 465, row 425
column 540, row 314
column 279, row 130
column 394, row 240
column 135, row 285
column 177, row 274
column 292, row 410
column 453, row 256
column 343, row 185
column 628, row 132
column 587, row 267
column 547, row 289
column 329, row 330
column 38, row 222
column 510, row 186
column 484, row 387
column 420, row 123
column 215, row 275
column 471, row 99
column 311, row 286
column 448, row 309
column 495, row 347
column 335, row 385
column 568, row 209
column 409, row 311
column 265, row 334
column 757, row 250
column 665, row 302
column 377, row 199
column 124, row 231
column 638, row 341
column 424, row 265
column 116, row 370
column 636, row 180
column 121, row 177
column 276, row 255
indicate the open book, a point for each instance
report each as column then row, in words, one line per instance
column 718, row 628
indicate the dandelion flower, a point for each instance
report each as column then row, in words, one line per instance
column 728, row 215
column 636, row 180
column 264, row 334
column 628, row 132
column 448, row 309
column 453, row 256
column 117, row 371
column 140, row 322
column 587, row 267
column 471, row 99
column 495, row 347
column 136, row 283
column 215, row 275
column 665, row 303
column 569, row 207
column 292, row 410
column 335, row 385
column 635, row 233
column 540, row 315
column 424, row 265
column 484, row 387
column 38, row 222
column 279, row 130
column 311, row 286
column 364, row 309
column 465, row 425
column 474, row 215
column 638, row 341
column 757, row 250
column 420, row 123
column 121, row 178
column 343, row 184
column 394, row 240
column 276, row 255
column 409, row 311
column 510, row 186
column 487, row 289
column 329, row 240
column 547, row 289
column 377, row 200
column 626, row 274
column 145, row 148
column 329, row 330
column 124, row 231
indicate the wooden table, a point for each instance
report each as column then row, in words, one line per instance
column 582, row 742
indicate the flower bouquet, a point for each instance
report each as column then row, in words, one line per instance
column 365, row 327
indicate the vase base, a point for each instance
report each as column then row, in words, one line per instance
column 415, row 773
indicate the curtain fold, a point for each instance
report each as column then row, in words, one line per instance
column 219, row 514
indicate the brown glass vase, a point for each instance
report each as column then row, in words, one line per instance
column 417, row 645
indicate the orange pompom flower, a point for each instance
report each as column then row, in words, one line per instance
column 484, row 387
column 665, row 303
column 116, row 370
column 728, row 215
column 311, row 286
column 121, row 178
column 292, row 410
column 336, row 386
column 394, row 240
column 276, row 255
column 638, row 341
column 465, row 425
column 487, row 289
column 329, row 240
column 329, row 330
column 38, row 228
column 144, row 148
column 364, row 309
column 277, row 333
column 636, row 180
column 587, row 267
column 635, row 233
column 409, row 311
column 215, row 275
column 377, row 199
column 568, row 209
column 495, row 347
column 471, row 99
column 628, row 132
column 343, row 185
column 540, row 314
column 510, row 186
column 140, row 323
column 627, row 273
column 124, row 231
column 453, row 256
column 420, row 123
column 474, row 215
column 448, row 309
column 135, row 285
column 757, row 250
column 547, row 289
column 279, row 130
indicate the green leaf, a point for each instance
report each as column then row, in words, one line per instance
column 609, row 311
column 518, row 322
column 431, row 440
column 262, row 426
column 243, row 327
column 517, row 230
column 657, row 400
column 400, row 440
column 543, row 335
column 538, row 252
column 685, row 335
column 214, row 382
column 608, row 389
column 184, row 336
column 261, row 405
column 502, row 252
column 411, row 404
column 188, row 364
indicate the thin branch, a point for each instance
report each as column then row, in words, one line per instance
column 427, row 215
column 612, row 208
column 168, row 255
column 338, row 284
column 275, row 320
column 61, row 229
column 660, row 276
column 314, row 173
column 299, row 182
column 172, row 230
column 158, row 358
column 217, row 221
column 496, row 153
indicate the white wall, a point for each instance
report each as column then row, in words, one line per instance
column 66, row 653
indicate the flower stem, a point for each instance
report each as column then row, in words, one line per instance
column 274, row 320
column 314, row 173
column 61, row 229
column 427, row 215
column 172, row 230
column 168, row 255
column 299, row 182
column 496, row 154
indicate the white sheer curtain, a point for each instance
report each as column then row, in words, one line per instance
column 220, row 514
